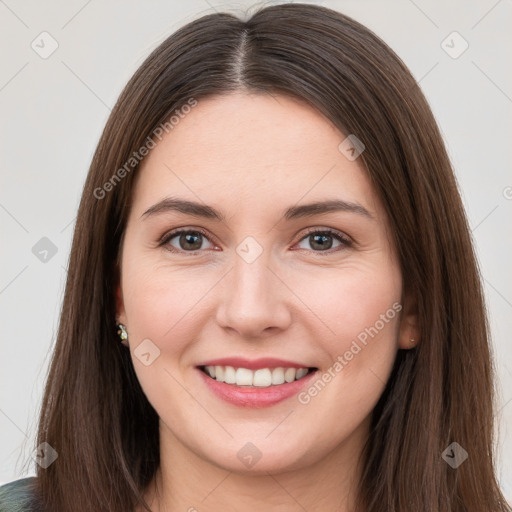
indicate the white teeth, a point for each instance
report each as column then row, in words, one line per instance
column 229, row 375
column 262, row 378
column 278, row 376
column 219, row 373
column 289, row 374
column 300, row 373
column 243, row 377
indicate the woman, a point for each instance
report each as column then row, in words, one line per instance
column 272, row 299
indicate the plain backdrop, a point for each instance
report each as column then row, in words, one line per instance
column 53, row 110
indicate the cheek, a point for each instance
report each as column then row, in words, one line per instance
column 160, row 304
column 358, row 302
column 363, row 308
column 365, row 317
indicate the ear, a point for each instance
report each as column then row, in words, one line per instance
column 409, row 335
column 120, row 311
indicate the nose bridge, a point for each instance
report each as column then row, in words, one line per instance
column 253, row 297
column 251, row 281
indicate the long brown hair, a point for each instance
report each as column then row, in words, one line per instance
column 94, row 412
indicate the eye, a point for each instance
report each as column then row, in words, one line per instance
column 322, row 240
column 184, row 240
column 192, row 240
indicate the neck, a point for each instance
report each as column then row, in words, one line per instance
column 187, row 482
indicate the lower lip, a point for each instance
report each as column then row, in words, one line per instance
column 254, row 397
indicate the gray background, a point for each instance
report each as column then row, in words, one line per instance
column 54, row 109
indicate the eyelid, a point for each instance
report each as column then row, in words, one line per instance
column 331, row 231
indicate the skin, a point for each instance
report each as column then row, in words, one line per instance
column 251, row 156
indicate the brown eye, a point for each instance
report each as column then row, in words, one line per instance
column 322, row 241
column 185, row 241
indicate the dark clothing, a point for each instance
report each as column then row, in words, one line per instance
column 19, row 496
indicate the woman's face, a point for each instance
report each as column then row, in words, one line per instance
column 252, row 286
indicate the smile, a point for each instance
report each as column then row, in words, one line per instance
column 260, row 378
column 254, row 383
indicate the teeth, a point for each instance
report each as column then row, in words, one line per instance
column 262, row 378
column 229, row 375
column 278, row 376
column 289, row 374
column 243, row 377
column 301, row 372
column 219, row 373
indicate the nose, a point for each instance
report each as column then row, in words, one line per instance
column 253, row 300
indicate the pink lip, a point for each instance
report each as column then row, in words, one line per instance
column 256, row 364
column 253, row 397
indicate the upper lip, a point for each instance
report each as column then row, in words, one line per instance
column 253, row 364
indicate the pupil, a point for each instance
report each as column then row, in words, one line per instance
column 188, row 239
column 322, row 243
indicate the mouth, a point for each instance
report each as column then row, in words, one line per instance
column 259, row 378
column 254, row 384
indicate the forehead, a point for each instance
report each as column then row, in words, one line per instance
column 245, row 150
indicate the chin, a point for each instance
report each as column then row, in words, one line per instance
column 260, row 458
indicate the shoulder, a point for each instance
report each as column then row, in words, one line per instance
column 19, row 496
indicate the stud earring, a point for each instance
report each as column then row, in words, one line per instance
column 121, row 331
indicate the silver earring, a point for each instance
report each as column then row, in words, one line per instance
column 121, row 331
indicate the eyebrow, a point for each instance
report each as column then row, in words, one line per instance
column 293, row 212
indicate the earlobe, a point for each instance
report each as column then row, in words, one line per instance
column 409, row 335
column 121, row 317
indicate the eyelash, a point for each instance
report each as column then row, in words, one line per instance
column 345, row 241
